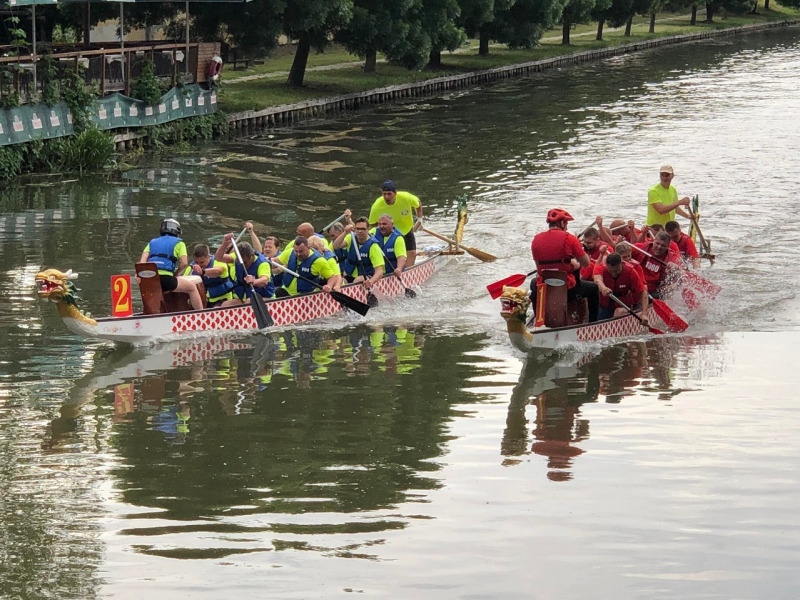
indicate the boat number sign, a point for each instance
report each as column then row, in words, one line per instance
column 121, row 305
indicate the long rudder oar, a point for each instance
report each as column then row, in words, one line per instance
column 479, row 254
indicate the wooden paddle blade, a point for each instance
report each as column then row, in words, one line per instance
column 351, row 303
column 480, row 254
column 496, row 289
column 263, row 318
column 673, row 321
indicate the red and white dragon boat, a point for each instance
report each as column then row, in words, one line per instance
column 141, row 329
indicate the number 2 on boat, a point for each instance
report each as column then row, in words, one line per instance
column 121, row 305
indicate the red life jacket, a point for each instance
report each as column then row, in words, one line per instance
column 623, row 287
column 550, row 250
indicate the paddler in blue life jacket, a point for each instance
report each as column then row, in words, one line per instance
column 311, row 265
column 364, row 252
column 168, row 252
column 256, row 271
column 334, row 231
column 215, row 274
column 320, row 247
column 393, row 245
column 270, row 249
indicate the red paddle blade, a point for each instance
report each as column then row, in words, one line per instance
column 673, row 321
column 655, row 331
column 496, row 289
column 691, row 299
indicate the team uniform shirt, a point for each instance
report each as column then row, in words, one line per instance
column 628, row 287
column 653, row 270
column 552, row 251
column 375, row 254
column 178, row 252
column 686, row 247
column 218, row 288
column 402, row 211
column 241, row 290
column 637, row 267
column 399, row 247
column 320, row 268
column 666, row 196
column 594, row 256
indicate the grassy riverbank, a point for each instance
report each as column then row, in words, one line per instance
column 337, row 72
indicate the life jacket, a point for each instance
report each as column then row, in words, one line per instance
column 622, row 287
column 353, row 253
column 304, row 269
column 241, row 290
column 387, row 246
column 162, row 253
column 219, row 287
column 549, row 250
column 330, row 254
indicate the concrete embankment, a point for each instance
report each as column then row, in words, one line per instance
column 290, row 114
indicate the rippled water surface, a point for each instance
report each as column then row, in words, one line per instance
column 415, row 454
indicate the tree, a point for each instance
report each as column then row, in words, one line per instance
column 438, row 18
column 599, row 11
column 522, row 24
column 474, row 15
column 253, row 27
column 384, row 26
column 575, row 11
column 311, row 23
column 733, row 6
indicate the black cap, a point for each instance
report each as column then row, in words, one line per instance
column 389, row 186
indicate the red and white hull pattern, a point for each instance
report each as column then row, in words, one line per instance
column 619, row 327
column 142, row 329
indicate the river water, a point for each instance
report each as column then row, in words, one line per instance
column 415, row 453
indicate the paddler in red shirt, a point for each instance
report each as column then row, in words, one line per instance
column 684, row 243
column 596, row 251
column 656, row 269
column 558, row 250
column 621, row 279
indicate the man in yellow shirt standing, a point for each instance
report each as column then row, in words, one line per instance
column 662, row 199
column 401, row 206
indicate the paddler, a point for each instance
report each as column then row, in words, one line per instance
column 392, row 244
column 401, row 206
column 684, row 243
column 312, row 266
column 364, row 261
column 168, row 252
column 256, row 271
column 558, row 250
column 621, row 279
column 662, row 199
column 655, row 270
column 215, row 274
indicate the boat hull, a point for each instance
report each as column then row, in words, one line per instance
column 143, row 329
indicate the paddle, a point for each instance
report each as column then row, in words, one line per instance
column 479, row 254
column 238, row 237
column 704, row 285
column 496, row 289
column 673, row 321
column 408, row 291
column 372, row 300
column 341, row 298
column 332, row 223
column 638, row 318
column 263, row 318
column 703, row 243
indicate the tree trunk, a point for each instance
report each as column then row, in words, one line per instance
column 298, row 71
column 87, row 26
column 628, row 26
column 652, row 22
column 709, row 12
column 600, row 29
column 766, row 4
column 370, row 60
column 435, row 59
column 694, row 15
column 755, row 8
column 565, row 32
column 483, row 47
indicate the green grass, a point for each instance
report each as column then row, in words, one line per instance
column 261, row 93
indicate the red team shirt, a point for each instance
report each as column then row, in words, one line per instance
column 552, row 251
column 654, row 270
column 628, row 287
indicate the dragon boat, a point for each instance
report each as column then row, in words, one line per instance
column 515, row 303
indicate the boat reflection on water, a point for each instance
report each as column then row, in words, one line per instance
column 557, row 390
column 160, row 383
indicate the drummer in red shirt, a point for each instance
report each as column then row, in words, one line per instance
column 558, row 250
column 621, row 279
column 685, row 244
column 655, row 271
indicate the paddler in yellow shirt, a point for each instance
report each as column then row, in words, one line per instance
column 401, row 206
column 312, row 266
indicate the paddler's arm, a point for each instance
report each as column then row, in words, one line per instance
column 339, row 241
column 598, row 279
column 334, row 284
column 254, row 241
column 368, row 283
column 645, row 306
column 221, row 253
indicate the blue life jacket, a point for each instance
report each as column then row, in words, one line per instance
column 242, row 290
column 353, row 254
column 388, row 248
column 304, row 269
column 217, row 288
column 162, row 253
